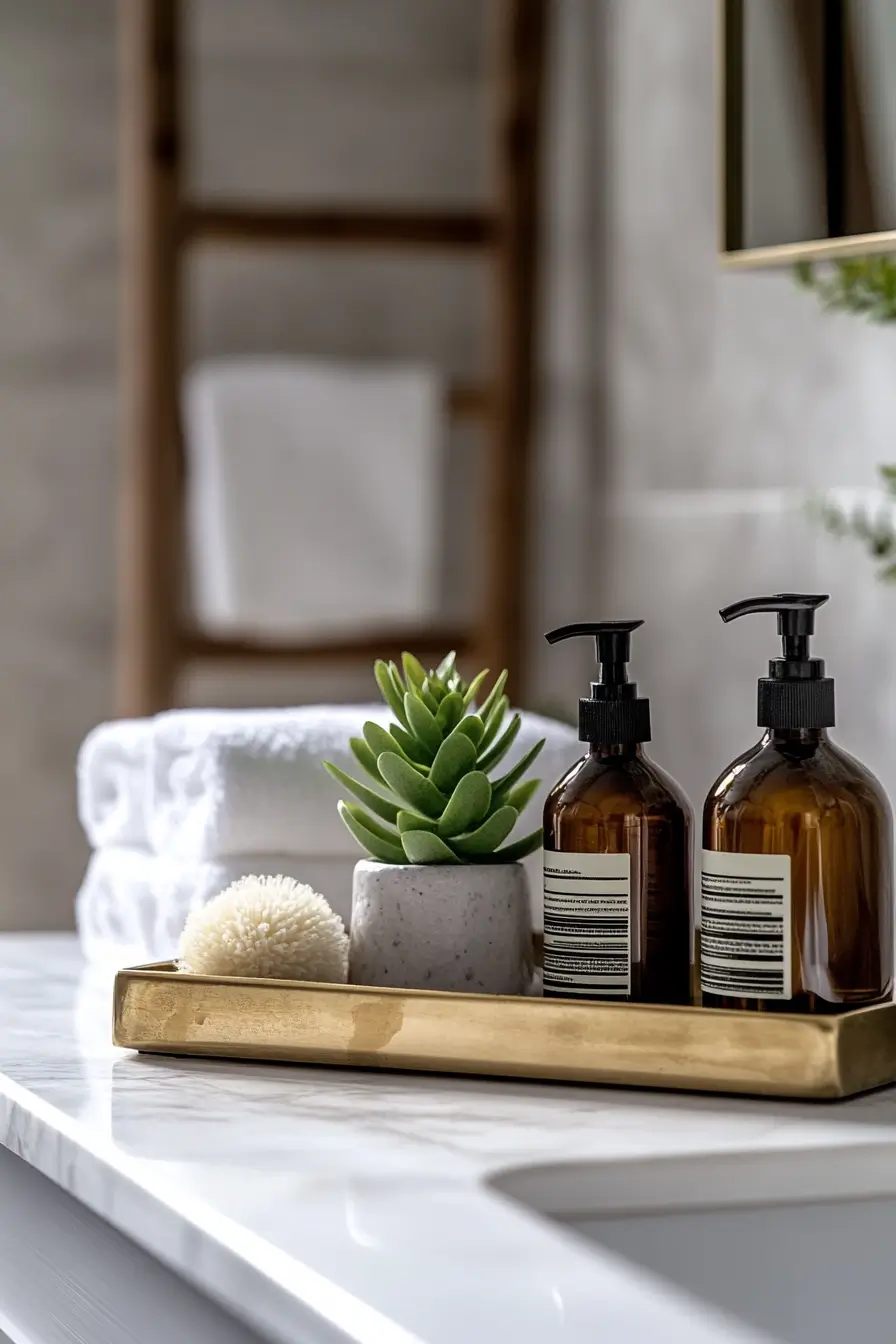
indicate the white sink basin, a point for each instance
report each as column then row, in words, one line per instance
column 800, row 1247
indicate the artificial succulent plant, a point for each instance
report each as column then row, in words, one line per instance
column 431, row 799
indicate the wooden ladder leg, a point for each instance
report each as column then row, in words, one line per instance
column 520, row 39
column 150, row 516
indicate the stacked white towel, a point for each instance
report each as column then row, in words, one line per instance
column 178, row 806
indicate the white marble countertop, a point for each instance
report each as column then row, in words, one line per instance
column 329, row 1205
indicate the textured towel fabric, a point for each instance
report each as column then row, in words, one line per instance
column 132, row 905
column 205, row 784
column 112, row 783
column 293, row 520
column 251, row 782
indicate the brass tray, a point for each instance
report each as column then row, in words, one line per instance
column 161, row 1010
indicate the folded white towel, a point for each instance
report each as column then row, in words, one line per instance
column 132, row 905
column 228, row 782
column 252, row 782
column 295, row 526
column 112, row 783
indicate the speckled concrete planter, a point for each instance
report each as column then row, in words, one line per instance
column 419, row 926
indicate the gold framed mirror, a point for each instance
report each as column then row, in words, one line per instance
column 807, row 130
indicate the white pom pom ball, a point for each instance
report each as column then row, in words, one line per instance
column 266, row 926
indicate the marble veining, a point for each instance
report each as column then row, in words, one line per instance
column 351, row 1205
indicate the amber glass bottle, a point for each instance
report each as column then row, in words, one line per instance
column 797, row 881
column 617, row 841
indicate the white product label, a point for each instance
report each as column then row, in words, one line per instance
column 745, row 925
column 587, row 924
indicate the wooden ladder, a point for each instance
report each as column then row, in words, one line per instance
column 162, row 225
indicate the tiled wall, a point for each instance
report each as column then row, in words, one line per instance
column 292, row 97
column 732, row 398
column 698, row 398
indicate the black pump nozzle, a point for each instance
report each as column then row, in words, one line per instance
column 612, row 646
column 612, row 714
column 796, row 693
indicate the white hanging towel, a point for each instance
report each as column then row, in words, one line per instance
column 313, row 496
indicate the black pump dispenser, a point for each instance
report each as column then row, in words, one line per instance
column 796, row 693
column 613, row 713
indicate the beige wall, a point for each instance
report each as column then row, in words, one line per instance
column 291, row 98
column 715, row 395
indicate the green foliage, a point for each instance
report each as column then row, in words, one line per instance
column 432, row 800
column 865, row 286
column 875, row 530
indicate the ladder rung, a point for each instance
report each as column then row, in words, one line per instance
column 196, row 646
column 467, row 401
column 338, row 227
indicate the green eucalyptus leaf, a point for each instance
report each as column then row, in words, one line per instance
column 522, row 795
column 494, row 722
column 520, row 849
column 450, row 712
column 454, row 758
column 409, row 784
column 411, row 747
column 493, row 696
column 423, row 723
column 474, row 686
column 414, row 672
column 421, row 847
column 365, row 757
column 502, row 746
column 486, row 839
column 473, row 727
column 383, row 807
column 412, row 821
column 375, row 846
column 467, row 806
column 379, row 740
column 391, row 693
column 501, row 787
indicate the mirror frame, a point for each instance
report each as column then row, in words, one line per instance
column 729, row 134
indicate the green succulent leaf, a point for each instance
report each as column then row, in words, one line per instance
column 447, row 666
column 434, row 687
column 423, row 723
column 412, row 821
column 383, row 807
column 374, row 844
column 450, row 712
column 467, row 806
column 421, row 847
column 419, row 793
column 520, row 849
column 455, row 757
column 492, row 833
column 473, row 727
column 379, row 740
column 473, row 689
column 388, row 834
column 493, row 696
column 390, row 690
column 411, row 747
column 502, row 746
column 365, row 757
column 501, row 787
column 522, row 795
column 414, row 672
column 494, row 722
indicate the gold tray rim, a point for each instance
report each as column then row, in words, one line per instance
column 808, row 1057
